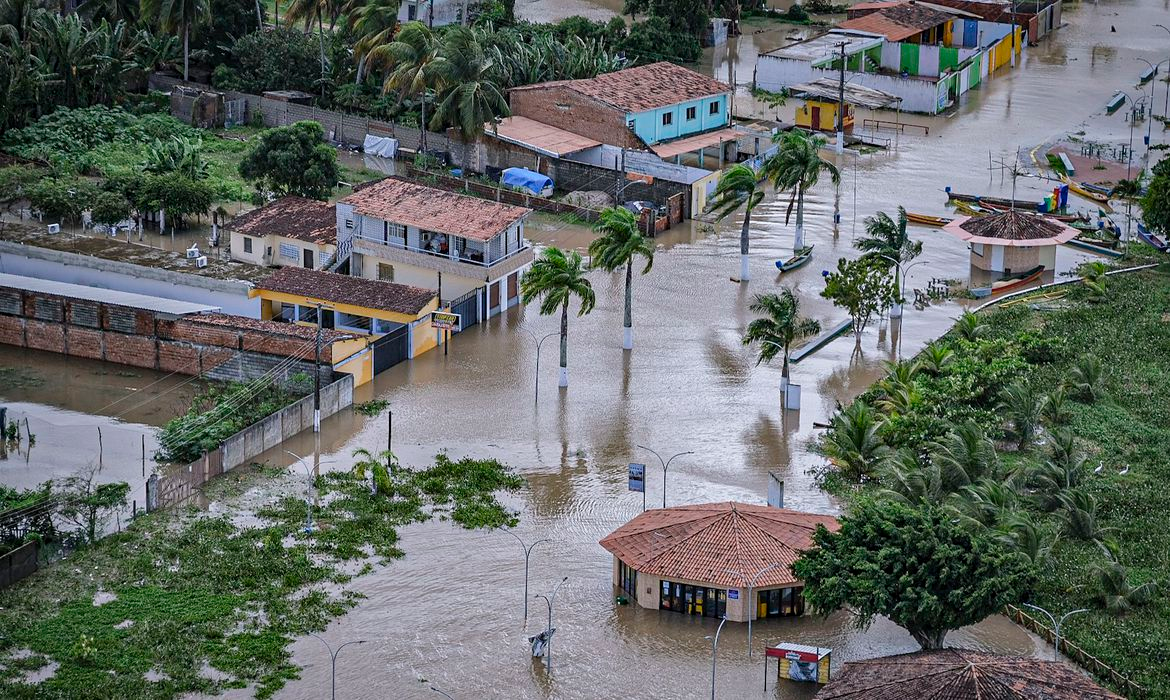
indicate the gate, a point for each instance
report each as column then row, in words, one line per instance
column 392, row 348
column 467, row 306
column 235, row 112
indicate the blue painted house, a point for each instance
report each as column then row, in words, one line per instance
column 634, row 108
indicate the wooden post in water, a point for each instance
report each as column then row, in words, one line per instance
column 144, row 454
column 99, row 448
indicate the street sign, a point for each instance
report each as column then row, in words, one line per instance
column 445, row 321
column 733, row 594
column 637, row 477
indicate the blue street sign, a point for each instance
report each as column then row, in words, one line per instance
column 637, row 477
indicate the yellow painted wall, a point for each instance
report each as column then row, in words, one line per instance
column 270, row 296
column 822, row 669
column 424, row 338
column 828, row 116
column 361, row 366
column 949, row 33
column 699, row 193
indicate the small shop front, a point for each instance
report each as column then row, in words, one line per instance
column 692, row 600
column 780, row 602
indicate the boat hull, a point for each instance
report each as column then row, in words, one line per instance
column 1008, row 284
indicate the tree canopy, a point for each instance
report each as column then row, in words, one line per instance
column 293, row 160
column 915, row 566
column 862, row 288
column 1156, row 202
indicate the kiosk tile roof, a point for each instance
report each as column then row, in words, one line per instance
column 643, row 88
column 431, row 209
column 961, row 674
column 1011, row 228
column 330, row 287
column 706, row 542
column 304, row 219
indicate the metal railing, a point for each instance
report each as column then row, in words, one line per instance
column 442, row 256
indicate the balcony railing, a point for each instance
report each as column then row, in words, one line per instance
column 461, row 258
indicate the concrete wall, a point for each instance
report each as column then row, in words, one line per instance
column 565, row 109
column 231, row 296
column 252, row 441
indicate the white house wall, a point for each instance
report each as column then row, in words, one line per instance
column 928, row 60
column 891, row 56
column 774, row 73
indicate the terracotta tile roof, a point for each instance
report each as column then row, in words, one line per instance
column 431, row 209
column 330, row 287
column 296, row 217
column 961, row 674
column 328, row 335
column 703, row 542
column 899, row 22
column 643, row 87
column 1014, row 226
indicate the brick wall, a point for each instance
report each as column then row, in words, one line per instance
column 572, row 111
column 230, row 349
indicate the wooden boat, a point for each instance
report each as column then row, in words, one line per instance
column 799, row 257
column 1093, row 246
column 1107, row 191
column 969, row 208
column 1026, row 204
column 927, row 219
column 1081, row 191
column 1152, row 239
column 1010, row 282
column 1066, row 218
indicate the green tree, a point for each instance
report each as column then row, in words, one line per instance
column 373, row 25
column 654, row 40
column 796, row 168
column 1156, row 201
column 738, row 187
column 470, row 97
column 1085, row 379
column 913, row 565
column 178, row 196
column 1022, row 407
column 178, row 17
column 781, row 326
column 274, row 59
column 109, row 208
column 89, row 505
column 555, row 278
column 964, row 456
column 862, row 288
column 379, row 466
column 176, row 155
column 408, row 62
column 307, row 11
column 293, row 160
column 970, row 327
column 852, row 444
column 887, row 239
column 617, row 246
column 61, row 199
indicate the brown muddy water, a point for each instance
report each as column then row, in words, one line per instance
column 450, row 613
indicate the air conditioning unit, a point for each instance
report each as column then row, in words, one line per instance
column 201, row 261
column 193, row 252
column 54, row 228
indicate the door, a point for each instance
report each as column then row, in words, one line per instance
column 513, row 285
column 391, row 348
column 815, row 124
column 494, row 295
column 308, row 258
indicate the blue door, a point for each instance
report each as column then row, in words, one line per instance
column 970, row 32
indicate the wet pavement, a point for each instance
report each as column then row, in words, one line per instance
column 451, row 613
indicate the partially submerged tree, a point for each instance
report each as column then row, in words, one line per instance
column 887, row 239
column 89, row 505
column 555, row 278
column 915, row 566
column 781, row 326
column 620, row 242
column 862, row 288
column 293, row 160
column 852, row 444
column 796, row 168
column 739, row 186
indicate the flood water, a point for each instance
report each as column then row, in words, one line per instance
column 451, row 613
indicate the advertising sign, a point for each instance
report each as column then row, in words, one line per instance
column 637, row 477
column 445, row 321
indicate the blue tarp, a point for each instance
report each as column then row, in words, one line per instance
column 521, row 177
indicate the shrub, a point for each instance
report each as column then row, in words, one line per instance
column 653, row 40
column 273, row 59
column 293, row 159
column 179, row 196
column 109, row 208
column 62, row 199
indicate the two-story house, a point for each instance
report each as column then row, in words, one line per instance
column 471, row 251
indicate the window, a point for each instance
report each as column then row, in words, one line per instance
column 691, row 113
column 390, row 231
column 307, row 314
column 290, row 251
column 630, row 125
column 627, row 578
column 692, row 600
column 349, row 224
column 714, row 109
column 385, row 272
column 780, row 602
column 564, row 106
column 411, row 12
column 668, row 119
column 247, row 244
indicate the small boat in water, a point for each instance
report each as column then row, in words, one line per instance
column 1084, row 192
column 1152, row 239
column 799, row 257
column 1025, row 204
column 1095, row 246
column 927, row 219
column 1010, row 282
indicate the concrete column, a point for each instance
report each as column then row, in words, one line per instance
column 410, row 340
column 503, row 282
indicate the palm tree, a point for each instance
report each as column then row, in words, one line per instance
column 909, row 481
column 1056, row 407
column 888, row 240
column 470, row 98
column 781, row 326
column 178, row 16
column 555, row 278
column 935, row 357
column 373, row 24
column 852, row 444
column 1093, row 277
column 797, row 168
column 986, row 502
column 971, row 327
column 1021, row 406
column 1019, row 531
column 620, row 242
column 1080, row 516
column 308, row 10
column 739, row 186
column 964, row 456
column 1114, row 591
column 380, row 467
column 1085, row 378
column 408, row 62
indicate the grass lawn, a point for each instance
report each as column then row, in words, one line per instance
column 193, row 603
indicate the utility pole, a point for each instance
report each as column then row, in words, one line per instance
column 841, row 102
column 317, row 377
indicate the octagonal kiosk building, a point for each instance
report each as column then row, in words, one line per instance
column 715, row 559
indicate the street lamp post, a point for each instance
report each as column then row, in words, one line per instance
column 896, row 309
column 539, row 342
column 333, row 659
column 714, row 649
column 308, row 490
column 1166, row 106
column 549, row 601
column 1056, row 625
column 748, row 598
column 527, row 552
column 665, row 466
column 1153, row 84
